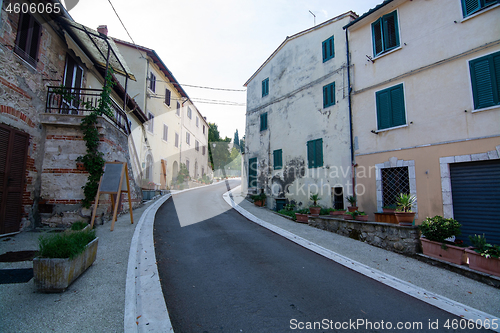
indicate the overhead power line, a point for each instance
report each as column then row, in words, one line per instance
column 123, row 25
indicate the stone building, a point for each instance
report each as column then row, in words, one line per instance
column 40, row 137
column 425, row 79
column 297, row 121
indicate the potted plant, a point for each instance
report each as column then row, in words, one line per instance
column 361, row 216
column 483, row 256
column 259, row 199
column 435, row 231
column 389, row 208
column 335, row 212
column 352, row 200
column 349, row 215
column 404, row 214
column 63, row 258
column 302, row 215
column 315, row 208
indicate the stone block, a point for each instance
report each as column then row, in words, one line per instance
column 447, row 160
column 462, row 158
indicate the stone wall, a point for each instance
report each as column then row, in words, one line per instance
column 387, row 236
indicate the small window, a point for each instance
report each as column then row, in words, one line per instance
column 167, row 97
column 151, row 119
column 203, row 150
column 385, row 33
column 315, row 153
column 252, row 172
column 178, row 110
column 152, row 82
column 188, row 138
column 197, row 145
column 263, row 121
column 203, row 129
column 329, row 95
column 177, row 140
column 190, row 113
column 197, row 122
column 328, row 49
column 165, row 132
column 187, row 165
column 485, row 77
column 28, row 38
column 338, row 197
column 265, row 87
column 390, row 107
column 278, row 159
column 470, row 7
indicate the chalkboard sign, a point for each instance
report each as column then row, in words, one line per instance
column 114, row 174
column 111, row 178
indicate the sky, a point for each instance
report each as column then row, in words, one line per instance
column 213, row 44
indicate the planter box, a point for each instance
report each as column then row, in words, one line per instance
column 482, row 264
column 302, row 218
column 56, row 274
column 405, row 218
column 348, row 217
column 452, row 253
column 148, row 194
column 337, row 213
column 363, row 218
column 386, row 218
column 259, row 203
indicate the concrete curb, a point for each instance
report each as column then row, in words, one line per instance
column 410, row 289
column 145, row 308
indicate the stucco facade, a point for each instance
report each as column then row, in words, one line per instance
column 424, row 79
column 288, row 116
column 174, row 131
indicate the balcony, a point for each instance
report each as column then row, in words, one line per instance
column 80, row 102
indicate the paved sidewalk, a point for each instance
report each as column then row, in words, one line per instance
column 93, row 303
column 430, row 278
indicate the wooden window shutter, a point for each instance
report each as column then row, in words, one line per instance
column 377, row 37
column 318, row 151
column 482, row 87
column 167, row 97
column 390, row 29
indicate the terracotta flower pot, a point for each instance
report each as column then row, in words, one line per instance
column 452, row 253
column 315, row 210
column 259, row 203
column 348, row 217
column 352, row 208
column 405, row 218
column 302, row 218
column 483, row 264
column 388, row 210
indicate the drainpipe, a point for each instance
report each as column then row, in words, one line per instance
column 350, row 113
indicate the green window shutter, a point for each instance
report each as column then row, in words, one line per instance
column 318, row 153
column 329, row 95
column 265, row 87
column 325, row 53
column 470, row 6
column 390, row 29
column 310, row 154
column 252, row 172
column 328, row 48
column 278, row 159
column 398, row 106
column 383, row 109
column 485, row 77
column 377, row 37
column 263, row 121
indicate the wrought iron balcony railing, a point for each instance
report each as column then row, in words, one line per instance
column 80, row 101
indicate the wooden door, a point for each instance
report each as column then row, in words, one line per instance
column 13, row 153
column 163, row 176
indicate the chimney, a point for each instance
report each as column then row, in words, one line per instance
column 103, row 29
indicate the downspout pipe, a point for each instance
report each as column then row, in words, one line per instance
column 349, row 89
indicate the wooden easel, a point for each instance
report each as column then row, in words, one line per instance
column 112, row 183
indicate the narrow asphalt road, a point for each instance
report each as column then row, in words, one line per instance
column 222, row 273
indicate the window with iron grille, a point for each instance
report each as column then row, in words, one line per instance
column 394, row 181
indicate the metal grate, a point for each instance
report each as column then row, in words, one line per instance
column 394, row 182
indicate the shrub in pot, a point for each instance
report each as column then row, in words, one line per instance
column 361, row 216
column 435, row 230
column 404, row 214
column 352, row 200
column 63, row 258
column 335, row 212
column 259, row 199
column 302, row 215
column 483, row 257
column 315, row 208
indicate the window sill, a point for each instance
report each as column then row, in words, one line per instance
column 387, row 53
column 487, row 109
column 484, row 10
column 391, row 128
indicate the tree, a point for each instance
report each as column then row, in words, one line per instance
column 236, row 140
column 242, row 144
column 218, row 149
